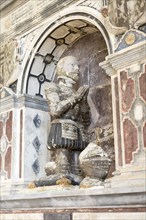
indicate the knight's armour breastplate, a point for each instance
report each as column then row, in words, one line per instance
column 73, row 113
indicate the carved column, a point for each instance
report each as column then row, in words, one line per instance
column 127, row 68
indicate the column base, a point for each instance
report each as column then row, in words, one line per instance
column 128, row 176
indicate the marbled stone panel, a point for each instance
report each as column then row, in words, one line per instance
column 8, row 161
column 9, row 127
column 130, row 139
column 144, row 135
column 1, row 128
column 142, row 83
column 118, row 122
column 35, row 138
column 6, row 124
column 57, row 216
column 127, row 90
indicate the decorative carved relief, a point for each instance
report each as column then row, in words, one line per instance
column 37, row 121
column 119, row 16
column 10, row 59
column 92, row 4
column 127, row 13
column 110, row 27
column 36, row 143
column 130, row 38
column 36, row 166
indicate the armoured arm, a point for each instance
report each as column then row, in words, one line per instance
column 57, row 107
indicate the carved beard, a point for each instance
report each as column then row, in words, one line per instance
column 66, row 81
column 73, row 75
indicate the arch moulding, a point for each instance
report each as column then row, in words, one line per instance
column 82, row 13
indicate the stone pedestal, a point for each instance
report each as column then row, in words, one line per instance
column 23, row 135
column 127, row 68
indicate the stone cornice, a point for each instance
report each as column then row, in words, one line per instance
column 125, row 58
column 31, row 20
column 21, row 101
column 57, row 197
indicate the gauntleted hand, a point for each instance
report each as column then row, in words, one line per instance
column 78, row 96
column 81, row 92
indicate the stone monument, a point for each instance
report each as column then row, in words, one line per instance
column 69, row 118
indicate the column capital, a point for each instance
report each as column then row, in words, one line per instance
column 125, row 58
column 10, row 100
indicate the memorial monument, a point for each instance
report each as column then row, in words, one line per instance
column 69, row 118
column 42, row 107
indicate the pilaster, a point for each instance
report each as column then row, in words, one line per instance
column 23, row 124
column 127, row 69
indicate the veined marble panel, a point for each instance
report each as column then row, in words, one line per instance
column 107, row 216
column 35, row 129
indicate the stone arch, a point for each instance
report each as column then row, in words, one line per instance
column 52, row 43
column 61, row 38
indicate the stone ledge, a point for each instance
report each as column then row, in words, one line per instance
column 125, row 58
column 57, row 197
column 19, row 101
column 74, row 215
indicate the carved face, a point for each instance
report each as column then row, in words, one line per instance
column 68, row 66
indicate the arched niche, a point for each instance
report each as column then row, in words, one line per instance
column 82, row 37
column 47, row 49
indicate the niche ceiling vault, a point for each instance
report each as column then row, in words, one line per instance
column 42, row 69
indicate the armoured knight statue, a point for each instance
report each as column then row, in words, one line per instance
column 69, row 117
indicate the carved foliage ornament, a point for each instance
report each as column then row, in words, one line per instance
column 125, row 13
column 91, row 3
column 9, row 57
column 8, row 61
